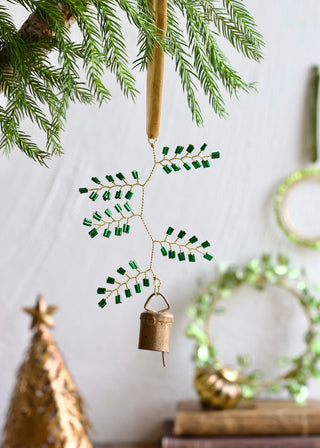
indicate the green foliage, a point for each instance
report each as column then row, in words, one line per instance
column 36, row 89
column 260, row 273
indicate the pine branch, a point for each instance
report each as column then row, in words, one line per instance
column 207, row 76
column 207, row 55
column 145, row 44
column 114, row 50
column 238, row 36
column 93, row 56
column 244, row 21
column 7, row 27
column 182, row 63
column 24, row 61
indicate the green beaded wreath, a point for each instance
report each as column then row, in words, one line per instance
column 280, row 207
column 260, row 273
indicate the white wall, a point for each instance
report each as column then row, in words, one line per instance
column 44, row 247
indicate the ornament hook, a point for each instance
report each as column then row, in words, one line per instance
column 163, row 297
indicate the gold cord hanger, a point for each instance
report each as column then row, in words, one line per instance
column 155, row 72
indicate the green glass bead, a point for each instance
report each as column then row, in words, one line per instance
column 205, row 163
column 127, row 207
column 101, row 290
column 108, row 212
column 187, row 166
column 164, row 251
column 190, row 148
column 96, row 180
column 170, row 230
column 87, row 222
column 128, row 195
column 97, row 216
column 137, row 287
column 102, row 303
column 121, row 271
column 181, row 256
column 192, row 258
column 106, row 195
column 118, row 194
column 167, row 169
column 203, row 147
column 118, row 208
column 118, row 299
column 135, row 174
column 172, row 254
column 118, row 231
column 175, row 167
column 165, row 150
column 181, row 234
column 133, row 264
column 94, row 196
column 83, row 190
column 107, row 233
column 109, row 178
column 128, row 292
column 110, row 280
column 193, row 239
column 120, row 176
column 196, row 164
column 146, row 282
column 215, row 155
column 208, row 256
column 205, row 244
column 179, row 149
column 93, row 233
column 126, row 228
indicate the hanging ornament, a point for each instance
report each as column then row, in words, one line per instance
column 301, row 176
column 155, row 328
column 116, row 220
column 218, row 388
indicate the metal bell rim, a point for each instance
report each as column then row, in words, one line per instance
column 161, row 316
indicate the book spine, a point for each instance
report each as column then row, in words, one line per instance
column 198, row 424
column 242, row 442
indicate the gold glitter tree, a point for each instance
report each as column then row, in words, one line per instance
column 46, row 410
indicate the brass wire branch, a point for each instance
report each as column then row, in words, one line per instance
column 117, row 217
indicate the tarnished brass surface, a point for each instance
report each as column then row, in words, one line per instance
column 218, row 388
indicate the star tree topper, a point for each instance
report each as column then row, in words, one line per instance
column 41, row 313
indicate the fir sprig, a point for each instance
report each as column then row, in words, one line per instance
column 39, row 91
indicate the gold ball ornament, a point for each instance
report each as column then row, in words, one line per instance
column 218, row 388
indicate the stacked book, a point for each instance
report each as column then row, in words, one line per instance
column 266, row 424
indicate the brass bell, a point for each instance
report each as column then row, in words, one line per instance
column 155, row 328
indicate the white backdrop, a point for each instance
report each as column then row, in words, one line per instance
column 45, row 248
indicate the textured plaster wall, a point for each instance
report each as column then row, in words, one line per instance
column 44, row 248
